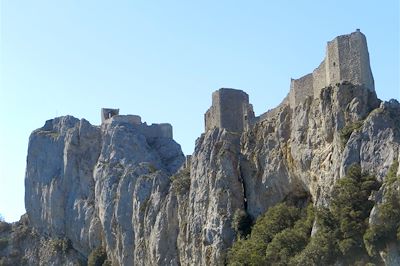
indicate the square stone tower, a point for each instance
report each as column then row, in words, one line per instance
column 230, row 110
column 347, row 59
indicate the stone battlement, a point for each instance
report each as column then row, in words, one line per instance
column 230, row 110
column 346, row 60
column 163, row 130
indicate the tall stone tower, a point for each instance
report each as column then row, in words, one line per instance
column 347, row 59
column 230, row 110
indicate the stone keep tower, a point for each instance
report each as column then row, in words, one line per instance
column 107, row 113
column 346, row 59
column 230, row 110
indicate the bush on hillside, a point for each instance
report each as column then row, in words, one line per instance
column 97, row 257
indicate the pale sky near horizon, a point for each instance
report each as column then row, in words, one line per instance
column 163, row 60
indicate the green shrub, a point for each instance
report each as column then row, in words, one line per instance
column 351, row 207
column 251, row 251
column 398, row 233
column 319, row 251
column 247, row 252
column 61, row 245
column 275, row 220
column 347, row 130
column 286, row 244
column 97, row 257
column 3, row 243
column 241, row 223
column 391, row 175
column 181, row 181
column 282, row 236
column 387, row 228
column 4, row 226
column 20, row 232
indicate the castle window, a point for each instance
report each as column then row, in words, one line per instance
column 334, row 64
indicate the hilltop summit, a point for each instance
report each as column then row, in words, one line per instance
column 122, row 192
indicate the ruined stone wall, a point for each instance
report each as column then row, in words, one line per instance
column 249, row 118
column 366, row 73
column 332, row 63
column 230, row 110
column 232, row 104
column 300, row 89
column 163, row 130
column 354, row 60
column 212, row 118
column 107, row 113
column 319, row 79
column 131, row 119
column 346, row 59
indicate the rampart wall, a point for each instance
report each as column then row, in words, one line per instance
column 300, row 89
column 163, row 130
column 346, row 59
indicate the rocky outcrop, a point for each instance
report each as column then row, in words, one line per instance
column 216, row 192
column 114, row 187
column 300, row 152
column 21, row 244
column 119, row 187
column 103, row 186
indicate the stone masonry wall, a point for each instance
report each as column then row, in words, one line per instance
column 230, row 110
column 212, row 117
column 332, row 63
column 319, row 78
column 107, row 113
column 163, row 130
column 354, row 60
column 300, row 89
column 347, row 59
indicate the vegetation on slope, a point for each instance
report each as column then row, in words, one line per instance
column 282, row 236
column 181, row 181
column 98, row 257
column 387, row 227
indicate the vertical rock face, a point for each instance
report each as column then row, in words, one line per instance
column 302, row 152
column 125, row 188
column 103, row 186
column 132, row 183
column 216, row 191
column 59, row 194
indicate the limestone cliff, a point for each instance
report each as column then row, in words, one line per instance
column 126, row 188
column 103, row 186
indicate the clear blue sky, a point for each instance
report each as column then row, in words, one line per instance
column 162, row 60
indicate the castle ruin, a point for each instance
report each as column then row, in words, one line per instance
column 346, row 60
column 107, row 113
column 230, row 110
column 163, row 130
